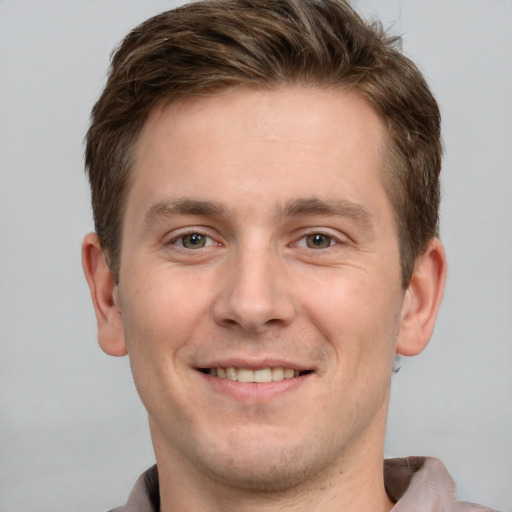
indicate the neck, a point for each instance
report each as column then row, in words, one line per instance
column 354, row 483
column 329, row 496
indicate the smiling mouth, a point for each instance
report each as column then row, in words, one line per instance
column 260, row 375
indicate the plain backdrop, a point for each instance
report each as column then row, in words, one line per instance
column 73, row 435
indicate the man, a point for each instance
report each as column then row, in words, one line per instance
column 265, row 187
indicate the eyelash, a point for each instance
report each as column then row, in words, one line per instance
column 335, row 241
column 178, row 240
column 319, row 236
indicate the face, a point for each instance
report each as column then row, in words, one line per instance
column 259, row 285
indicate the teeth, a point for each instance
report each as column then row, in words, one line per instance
column 260, row 375
column 231, row 373
column 289, row 373
column 245, row 375
column 263, row 375
column 277, row 373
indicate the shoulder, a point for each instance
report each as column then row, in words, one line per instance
column 145, row 494
column 423, row 484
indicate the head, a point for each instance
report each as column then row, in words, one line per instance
column 265, row 190
column 205, row 48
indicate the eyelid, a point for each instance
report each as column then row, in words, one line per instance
column 338, row 238
column 172, row 238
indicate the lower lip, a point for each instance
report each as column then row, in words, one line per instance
column 254, row 391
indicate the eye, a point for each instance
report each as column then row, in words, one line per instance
column 319, row 241
column 316, row 241
column 193, row 241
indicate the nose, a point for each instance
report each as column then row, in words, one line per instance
column 255, row 295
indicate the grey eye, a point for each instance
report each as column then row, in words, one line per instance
column 318, row 241
column 193, row 241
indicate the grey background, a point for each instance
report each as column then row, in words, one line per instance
column 73, row 435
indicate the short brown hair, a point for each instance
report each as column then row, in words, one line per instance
column 214, row 45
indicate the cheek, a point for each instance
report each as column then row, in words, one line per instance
column 359, row 316
column 161, row 312
column 160, row 316
column 165, row 296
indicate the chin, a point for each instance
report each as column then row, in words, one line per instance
column 271, row 479
column 269, row 468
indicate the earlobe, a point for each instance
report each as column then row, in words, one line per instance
column 422, row 300
column 104, row 297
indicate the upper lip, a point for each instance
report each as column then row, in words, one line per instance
column 254, row 364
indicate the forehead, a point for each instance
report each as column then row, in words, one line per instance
column 260, row 135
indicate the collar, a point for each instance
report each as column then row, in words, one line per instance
column 415, row 484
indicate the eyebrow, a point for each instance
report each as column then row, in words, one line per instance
column 338, row 207
column 294, row 208
column 184, row 206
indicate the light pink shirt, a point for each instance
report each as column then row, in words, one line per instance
column 422, row 484
column 416, row 484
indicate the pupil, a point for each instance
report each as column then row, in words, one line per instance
column 195, row 239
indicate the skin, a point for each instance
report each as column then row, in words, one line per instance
column 296, row 264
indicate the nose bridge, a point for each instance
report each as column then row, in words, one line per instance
column 254, row 295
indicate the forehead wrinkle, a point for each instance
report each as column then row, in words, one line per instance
column 338, row 207
column 182, row 206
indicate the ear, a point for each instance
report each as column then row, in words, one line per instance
column 104, row 297
column 422, row 300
